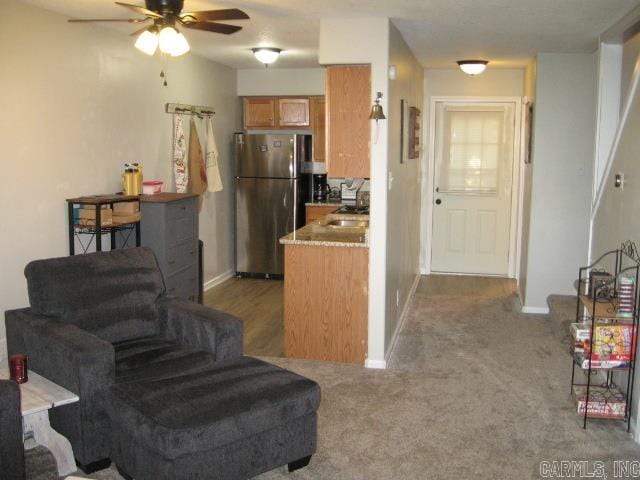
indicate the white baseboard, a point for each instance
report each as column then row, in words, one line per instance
column 380, row 364
column 402, row 319
column 535, row 310
column 218, row 280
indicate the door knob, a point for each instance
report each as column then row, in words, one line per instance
column 438, row 201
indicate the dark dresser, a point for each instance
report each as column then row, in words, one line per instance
column 169, row 226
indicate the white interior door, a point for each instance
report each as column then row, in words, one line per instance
column 474, row 154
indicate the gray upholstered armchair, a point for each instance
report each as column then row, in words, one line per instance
column 101, row 319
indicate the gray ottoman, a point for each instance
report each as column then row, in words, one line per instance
column 232, row 420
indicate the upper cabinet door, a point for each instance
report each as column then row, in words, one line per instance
column 348, row 97
column 293, row 112
column 318, row 126
column 259, row 112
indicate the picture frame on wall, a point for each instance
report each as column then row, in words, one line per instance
column 404, row 131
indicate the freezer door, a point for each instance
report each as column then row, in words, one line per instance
column 266, row 209
column 266, row 156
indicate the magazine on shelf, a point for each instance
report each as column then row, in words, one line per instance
column 603, row 402
column 582, row 359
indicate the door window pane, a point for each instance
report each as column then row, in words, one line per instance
column 473, row 142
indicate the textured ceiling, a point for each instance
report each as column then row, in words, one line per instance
column 507, row 32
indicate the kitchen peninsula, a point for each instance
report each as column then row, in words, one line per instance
column 326, row 289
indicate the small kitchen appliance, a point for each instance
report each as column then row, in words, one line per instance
column 320, row 187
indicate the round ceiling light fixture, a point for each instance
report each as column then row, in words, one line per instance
column 472, row 67
column 266, row 55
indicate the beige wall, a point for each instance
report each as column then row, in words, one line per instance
column 493, row 82
column 403, row 198
column 630, row 52
column 564, row 125
column 281, row 81
column 78, row 102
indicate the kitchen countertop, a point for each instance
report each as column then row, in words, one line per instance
column 326, row 203
column 318, row 233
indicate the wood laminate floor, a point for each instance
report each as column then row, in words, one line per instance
column 259, row 303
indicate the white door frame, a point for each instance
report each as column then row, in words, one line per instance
column 515, row 233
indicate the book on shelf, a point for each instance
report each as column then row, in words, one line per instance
column 611, row 342
column 582, row 359
column 604, row 402
column 581, row 333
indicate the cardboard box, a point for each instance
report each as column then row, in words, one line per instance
column 90, row 214
column 91, row 222
column 126, row 208
column 121, row 219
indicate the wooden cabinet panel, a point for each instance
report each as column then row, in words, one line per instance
column 293, row 112
column 259, row 112
column 314, row 212
column 325, row 303
column 318, row 125
column 348, row 97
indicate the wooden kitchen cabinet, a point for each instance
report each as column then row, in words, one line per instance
column 314, row 212
column 349, row 100
column 326, row 303
column 318, row 128
column 277, row 112
column 259, row 112
column 293, row 112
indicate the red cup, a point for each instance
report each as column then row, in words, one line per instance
column 18, row 370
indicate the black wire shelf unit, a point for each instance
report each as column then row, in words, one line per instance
column 88, row 231
column 602, row 384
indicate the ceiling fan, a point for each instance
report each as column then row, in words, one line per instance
column 166, row 14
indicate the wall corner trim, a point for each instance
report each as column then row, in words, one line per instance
column 378, row 364
column 215, row 281
column 403, row 318
column 535, row 310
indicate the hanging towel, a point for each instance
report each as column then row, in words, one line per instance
column 180, row 173
column 212, row 158
column 198, row 178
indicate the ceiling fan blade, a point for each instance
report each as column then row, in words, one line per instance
column 141, row 10
column 128, row 20
column 213, row 27
column 213, row 15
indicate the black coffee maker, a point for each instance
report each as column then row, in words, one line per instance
column 320, row 187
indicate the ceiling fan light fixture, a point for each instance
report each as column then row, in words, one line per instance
column 472, row 67
column 147, row 42
column 181, row 46
column 172, row 42
column 266, row 55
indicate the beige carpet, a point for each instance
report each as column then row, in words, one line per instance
column 475, row 390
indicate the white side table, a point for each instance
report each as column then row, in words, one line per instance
column 37, row 396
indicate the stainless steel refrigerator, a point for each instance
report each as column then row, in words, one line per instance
column 269, row 200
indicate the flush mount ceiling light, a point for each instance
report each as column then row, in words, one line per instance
column 472, row 67
column 266, row 55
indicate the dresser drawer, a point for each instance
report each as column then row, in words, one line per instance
column 181, row 255
column 184, row 283
column 181, row 221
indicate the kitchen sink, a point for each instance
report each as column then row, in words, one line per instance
column 348, row 223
